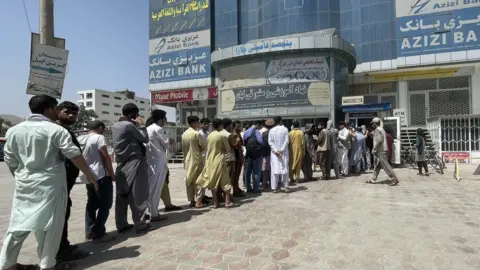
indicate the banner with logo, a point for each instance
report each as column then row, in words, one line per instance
column 180, row 46
column 188, row 65
column 180, row 42
column 173, row 17
column 436, row 26
column 184, row 95
column 301, row 69
column 272, row 96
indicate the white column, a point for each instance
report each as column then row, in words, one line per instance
column 476, row 91
column 402, row 99
column 332, row 88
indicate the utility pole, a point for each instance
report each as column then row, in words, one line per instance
column 47, row 35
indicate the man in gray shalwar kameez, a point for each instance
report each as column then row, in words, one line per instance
column 129, row 136
column 333, row 149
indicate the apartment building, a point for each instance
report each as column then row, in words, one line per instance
column 108, row 104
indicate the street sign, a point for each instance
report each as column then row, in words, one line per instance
column 47, row 71
column 59, row 42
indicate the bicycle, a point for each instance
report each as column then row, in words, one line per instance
column 433, row 158
column 407, row 156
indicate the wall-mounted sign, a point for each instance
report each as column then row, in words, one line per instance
column 184, row 95
column 268, row 45
column 180, row 42
column 173, row 17
column 353, row 100
column 402, row 114
column 301, row 69
column 177, row 66
column 437, row 26
column 272, row 96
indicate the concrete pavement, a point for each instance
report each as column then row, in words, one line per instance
column 424, row 223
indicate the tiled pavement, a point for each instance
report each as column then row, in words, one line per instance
column 424, row 223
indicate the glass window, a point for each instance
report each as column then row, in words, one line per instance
column 89, row 104
column 89, row 95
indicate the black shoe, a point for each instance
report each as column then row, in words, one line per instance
column 126, row 228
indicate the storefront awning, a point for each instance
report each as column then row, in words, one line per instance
column 367, row 108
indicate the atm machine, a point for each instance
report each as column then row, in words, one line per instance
column 394, row 123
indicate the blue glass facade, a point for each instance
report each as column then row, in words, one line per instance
column 368, row 24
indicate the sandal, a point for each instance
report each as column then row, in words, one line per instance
column 393, row 183
column 199, row 205
column 231, row 205
column 370, row 181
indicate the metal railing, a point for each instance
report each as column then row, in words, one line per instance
column 455, row 133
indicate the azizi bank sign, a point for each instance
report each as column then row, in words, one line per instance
column 437, row 26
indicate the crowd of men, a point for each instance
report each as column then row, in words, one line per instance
column 45, row 158
column 215, row 152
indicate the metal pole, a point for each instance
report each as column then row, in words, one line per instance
column 47, row 36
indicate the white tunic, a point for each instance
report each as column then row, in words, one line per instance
column 157, row 164
column 204, row 136
column 278, row 141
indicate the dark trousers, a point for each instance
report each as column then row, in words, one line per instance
column 98, row 207
column 422, row 165
column 253, row 166
column 325, row 163
column 72, row 175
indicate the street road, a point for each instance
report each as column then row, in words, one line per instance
column 424, row 223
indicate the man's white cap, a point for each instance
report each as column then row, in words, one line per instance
column 376, row 120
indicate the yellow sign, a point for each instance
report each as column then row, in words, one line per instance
column 180, row 10
column 412, row 75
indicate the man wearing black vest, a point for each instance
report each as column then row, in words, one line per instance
column 67, row 116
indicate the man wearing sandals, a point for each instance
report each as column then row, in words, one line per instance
column 34, row 153
column 215, row 175
column 129, row 135
column 380, row 149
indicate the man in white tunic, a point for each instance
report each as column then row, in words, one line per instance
column 278, row 141
column 344, row 145
column 33, row 153
column 204, row 126
column 156, row 160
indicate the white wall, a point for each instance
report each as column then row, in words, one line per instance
column 171, row 112
column 476, row 90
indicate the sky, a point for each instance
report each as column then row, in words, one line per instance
column 107, row 42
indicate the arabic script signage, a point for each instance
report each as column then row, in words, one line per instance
column 272, row 96
column 180, row 42
column 422, row 7
column 48, row 65
column 171, row 17
column 177, row 66
column 457, row 30
column 266, row 46
column 302, row 69
column 184, row 95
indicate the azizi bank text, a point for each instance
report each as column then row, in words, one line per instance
column 441, row 41
column 192, row 71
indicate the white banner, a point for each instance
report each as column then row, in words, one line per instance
column 295, row 70
column 421, row 7
column 180, row 42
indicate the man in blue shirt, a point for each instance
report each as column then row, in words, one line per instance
column 253, row 142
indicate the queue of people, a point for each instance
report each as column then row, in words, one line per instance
column 45, row 157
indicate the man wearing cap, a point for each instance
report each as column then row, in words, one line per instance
column 380, row 149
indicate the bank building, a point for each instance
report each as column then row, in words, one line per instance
column 313, row 60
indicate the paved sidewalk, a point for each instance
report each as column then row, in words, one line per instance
column 424, row 223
